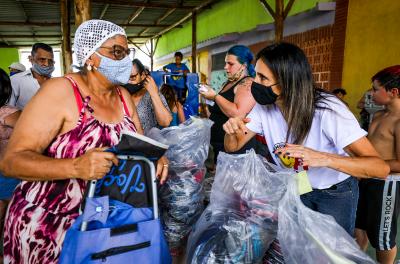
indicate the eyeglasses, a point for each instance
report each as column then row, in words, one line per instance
column 119, row 52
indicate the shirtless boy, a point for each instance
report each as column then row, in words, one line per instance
column 379, row 202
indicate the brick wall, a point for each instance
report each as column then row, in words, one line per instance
column 339, row 37
column 317, row 44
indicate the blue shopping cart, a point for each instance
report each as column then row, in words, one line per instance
column 122, row 226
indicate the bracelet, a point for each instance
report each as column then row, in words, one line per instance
column 215, row 96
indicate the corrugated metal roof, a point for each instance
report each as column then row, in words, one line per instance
column 38, row 11
column 6, row 6
column 19, row 18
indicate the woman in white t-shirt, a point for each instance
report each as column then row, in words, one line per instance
column 307, row 129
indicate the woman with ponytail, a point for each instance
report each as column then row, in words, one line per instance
column 234, row 98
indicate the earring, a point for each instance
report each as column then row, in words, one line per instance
column 89, row 67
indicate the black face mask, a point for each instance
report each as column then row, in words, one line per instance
column 263, row 94
column 134, row 88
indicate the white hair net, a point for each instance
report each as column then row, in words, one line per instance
column 91, row 34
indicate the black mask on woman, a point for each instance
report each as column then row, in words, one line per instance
column 263, row 94
column 134, row 88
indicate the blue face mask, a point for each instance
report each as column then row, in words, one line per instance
column 43, row 70
column 116, row 71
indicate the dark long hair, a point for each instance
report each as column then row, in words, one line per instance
column 139, row 65
column 299, row 94
column 169, row 95
column 5, row 88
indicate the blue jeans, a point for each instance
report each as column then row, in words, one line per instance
column 7, row 186
column 339, row 201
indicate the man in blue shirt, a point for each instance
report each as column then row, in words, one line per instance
column 178, row 78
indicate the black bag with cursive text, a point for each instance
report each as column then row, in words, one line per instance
column 129, row 182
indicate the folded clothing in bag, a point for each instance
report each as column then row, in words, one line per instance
column 256, row 201
column 182, row 196
column 240, row 222
column 135, row 144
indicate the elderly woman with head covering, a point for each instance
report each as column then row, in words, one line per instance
column 59, row 142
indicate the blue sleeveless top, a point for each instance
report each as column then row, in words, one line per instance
column 175, row 120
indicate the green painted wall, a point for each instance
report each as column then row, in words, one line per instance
column 225, row 17
column 8, row 56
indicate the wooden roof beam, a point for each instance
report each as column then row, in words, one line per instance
column 23, row 10
column 57, row 24
column 181, row 21
column 55, row 36
column 134, row 15
column 66, row 49
column 169, row 12
column 158, row 21
column 26, row 45
column 122, row 3
column 143, row 31
column 26, row 17
column 5, row 41
column 140, row 37
column 143, row 4
column 103, row 12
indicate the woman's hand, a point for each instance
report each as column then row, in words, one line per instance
column 150, row 85
column 207, row 92
column 310, row 157
column 161, row 111
column 162, row 169
column 236, row 125
column 94, row 164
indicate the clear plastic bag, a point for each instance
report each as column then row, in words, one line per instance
column 188, row 143
column 252, row 203
column 227, row 237
column 307, row 236
column 241, row 221
column 182, row 196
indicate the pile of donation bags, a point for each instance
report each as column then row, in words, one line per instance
column 253, row 203
column 182, row 196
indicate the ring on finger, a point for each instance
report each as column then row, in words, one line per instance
column 165, row 165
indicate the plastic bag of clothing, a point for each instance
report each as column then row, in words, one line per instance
column 307, row 236
column 224, row 236
column 188, row 143
column 182, row 196
column 241, row 221
column 252, row 203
